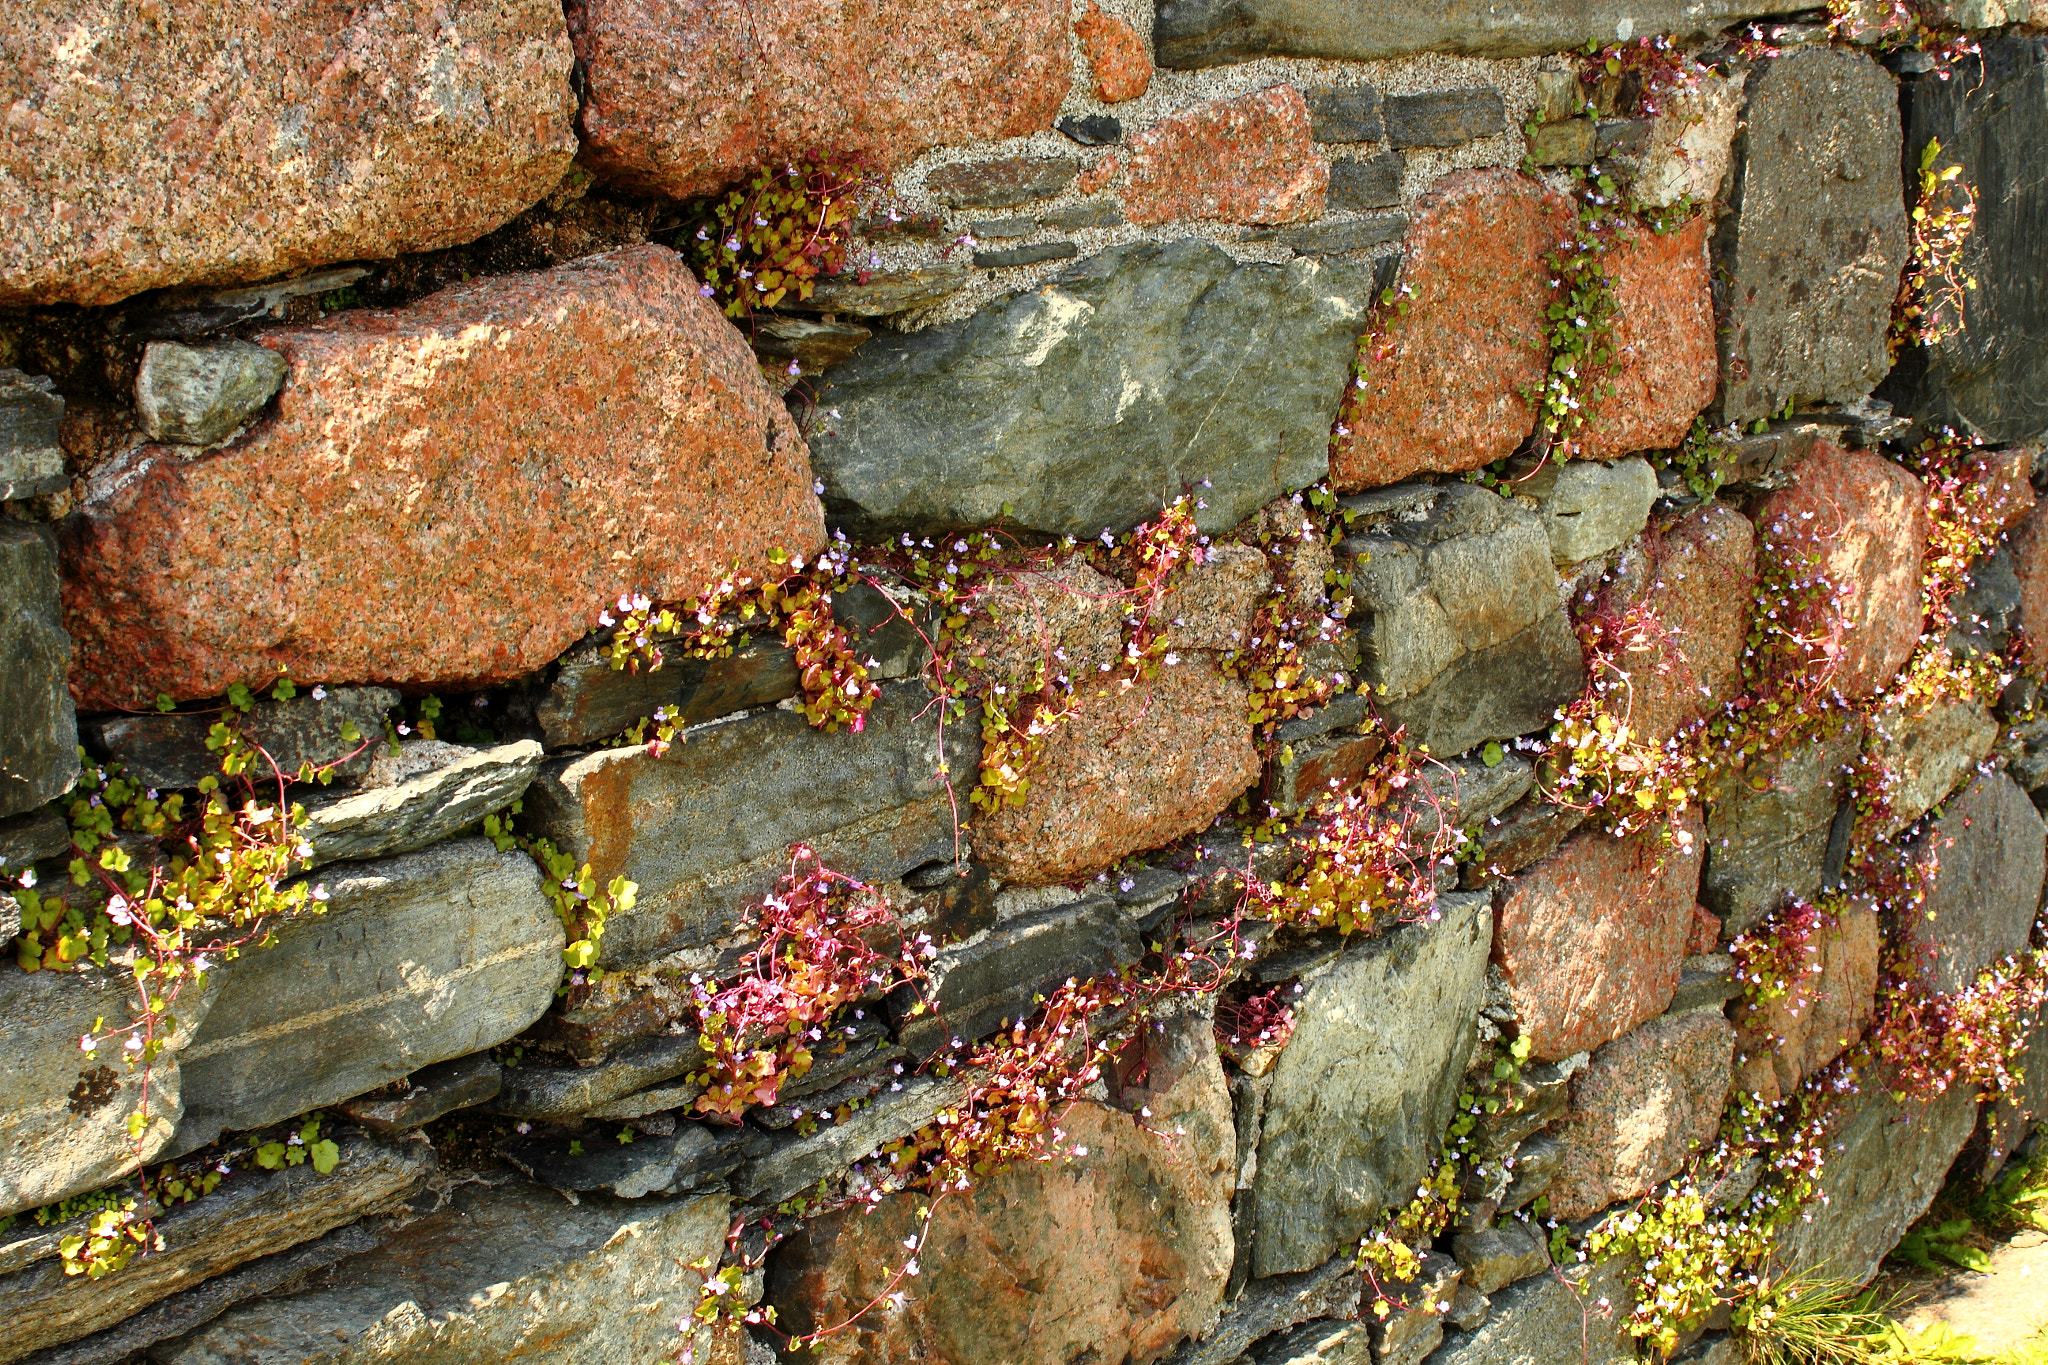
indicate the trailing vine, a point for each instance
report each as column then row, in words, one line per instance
column 1933, row 285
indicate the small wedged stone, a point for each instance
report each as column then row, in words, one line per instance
column 251, row 1214
column 63, row 1114
column 1344, row 113
column 1409, row 1333
column 814, row 346
column 1525, row 833
column 705, row 828
column 200, row 395
column 380, row 822
column 1992, row 852
column 31, row 412
column 1097, row 398
column 588, row 700
column 1025, row 255
column 1364, row 1087
column 1807, row 258
column 1323, row 1341
column 187, row 575
column 1537, row 1162
column 1116, row 55
column 417, row 959
column 329, row 134
column 1445, row 118
column 501, row 1272
column 1587, row 507
column 38, row 726
column 168, row 750
column 1337, row 239
column 1768, row 824
column 1496, row 1257
column 1705, row 981
column 31, row 837
column 690, row 1158
column 1002, row 183
column 1374, row 183
column 1570, row 142
column 884, row 294
column 1273, row 1304
column 1245, row 160
column 793, row 1163
column 560, row 1092
column 1690, row 143
column 431, row 1093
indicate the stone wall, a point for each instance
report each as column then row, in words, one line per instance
column 1344, row 644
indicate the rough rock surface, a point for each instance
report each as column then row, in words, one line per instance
column 1243, row 160
column 1116, row 55
column 64, row 1115
column 1365, row 1086
column 706, row 828
column 500, row 1273
column 1575, row 1317
column 1885, row 1163
column 253, row 1213
column 1690, row 144
column 1865, row 520
column 1989, row 843
column 1133, row 770
column 1696, row 576
column 38, row 727
column 1588, row 507
column 1831, row 1000
column 1498, row 1256
column 1663, row 338
column 31, row 413
column 197, row 395
column 1645, row 1101
column 1455, row 601
column 1768, row 824
column 1990, row 377
column 1807, row 260
column 334, row 132
column 1444, row 381
column 1929, row 752
column 684, row 99
column 1122, row 1247
column 1199, row 33
column 1097, row 398
column 417, row 959
column 167, row 750
column 409, row 815
column 394, row 490
column 1591, row 940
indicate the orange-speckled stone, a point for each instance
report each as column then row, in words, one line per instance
column 1864, row 520
column 445, row 494
column 1116, row 54
column 686, row 97
column 1133, row 770
column 156, row 142
column 1243, row 160
column 1665, row 366
column 1444, row 381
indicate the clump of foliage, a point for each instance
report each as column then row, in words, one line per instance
column 1929, row 307
column 772, row 237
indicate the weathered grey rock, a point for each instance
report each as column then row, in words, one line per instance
column 588, row 700
column 1537, row 1163
column 1335, row 239
column 31, row 837
column 1001, row 183
column 1571, row 142
column 1715, row 1348
column 431, row 1093
column 1588, row 507
column 38, row 728
column 794, row 1163
column 1095, row 399
column 1199, row 33
column 1319, row 1342
column 1553, row 1319
column 505, row 1272
column 1990, row 843
column 253, row 1213
column 198, row 395
column 1025, row 255
column 1271, row 1305
column 1522, row 835
column 1930, row 751
column 380, row 821
column 1094, row 213
column 31, row 461
column 1466, row 792
column 1363, row 1090
column 1767, row 826
column 882, row 295
column 976, row 988
column 1445, row 118
column 1374, row 183
column 1344, row 113
column 1885, row 1164
column 169, row 750
column 690, row 1158
column 1408, row 1334
column 1989, row 606
column 1456, row 608
column 64, row 1115
column 417, row 960
column 1807, row 261
column 1496, row 1257
column 1469, row 1308
column 1706, row 981
column 813, row 345
column 1991, row 377
column 559, row 1092
column 706, row 828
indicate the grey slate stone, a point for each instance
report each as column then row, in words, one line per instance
column 1625, row 136
column 1364, row 1088
column 1335, row 239
column 198, row 395
column 1344, row 113
column 31, row 837
column 1189, row 34
column 791, row 1163
column 1551, row 1320
column 1994, row 852
column 378, row 822
column 1001, row 183
column 975, row 987
column 38, row 727
column 1094, row 399
column 1496, row 1257
column 1408, row 1334
column 1456, row 607
column 1273, row 1304
column 881, row 295
column 1322, row 1341
column 690, row 1158
column 417, row 960
column 1026, row 255
column 1589, row 507
column 560, row 1092
column 1445, row 118
column 1537, row 1163
column 1374, row 183
column 432, row 1092
column 1002, row 229
column 1092, row 130
column 1885, row 1164
column 1092, row 213
column 1992, row 118
column 169, row 750
column 1807, row 261
column 31, row 461
column 706, row 829
column 502, row 1272
column 1706, row 981
column 1767, row 846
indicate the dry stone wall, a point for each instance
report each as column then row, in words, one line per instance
column 1234, row 682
